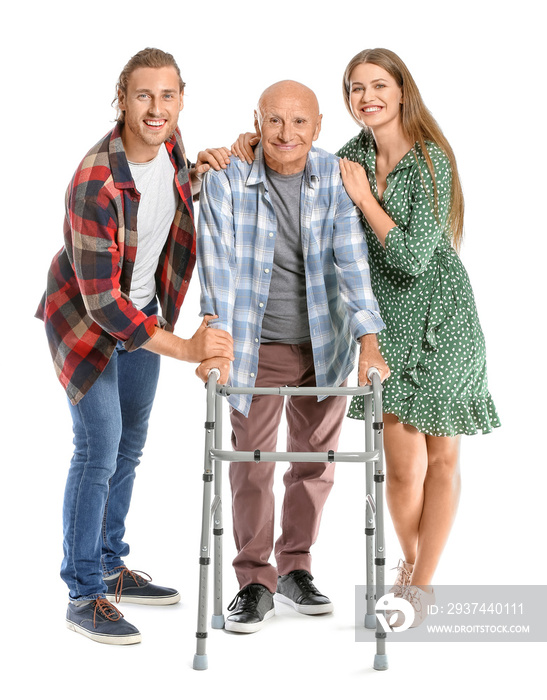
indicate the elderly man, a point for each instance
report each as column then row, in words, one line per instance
column 283, row 263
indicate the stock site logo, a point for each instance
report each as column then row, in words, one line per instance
column 393, row 608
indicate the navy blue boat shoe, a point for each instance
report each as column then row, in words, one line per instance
column 136, row 587
column 102, row 622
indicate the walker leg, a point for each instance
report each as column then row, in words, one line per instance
column 217, row 620
column 200, row 657
column 201, row 663
column 380, row 660
column 370, row 616
column 370, row 621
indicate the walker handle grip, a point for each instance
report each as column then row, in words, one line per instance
column 371, row 372
column 215, row 370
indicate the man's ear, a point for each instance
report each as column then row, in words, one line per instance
column 121, row 101
column 257, row 123
column 318, row 128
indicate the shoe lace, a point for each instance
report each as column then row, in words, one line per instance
column 104, row 608
column 246, row 599
column 137, row 576
column 413, row 595
column 304, row 581
column 402, row 579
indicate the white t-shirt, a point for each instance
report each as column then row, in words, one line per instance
column 155, row 181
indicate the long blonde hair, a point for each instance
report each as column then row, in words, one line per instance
column 418, row 125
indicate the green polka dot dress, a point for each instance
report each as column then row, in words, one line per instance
column 433, row 342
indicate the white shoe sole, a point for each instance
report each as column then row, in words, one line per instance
column 104, row 638
column 305, row 609
column 247, row 628
column 143, row 600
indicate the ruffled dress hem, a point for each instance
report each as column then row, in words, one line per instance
column 455, row 417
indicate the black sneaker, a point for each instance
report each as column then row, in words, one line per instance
column 297, row 589
column 101, row 621
column 252, row 606
column 132, row 587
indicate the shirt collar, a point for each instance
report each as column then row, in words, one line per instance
column 406, row 161
column 258, row 169
column 121, row 173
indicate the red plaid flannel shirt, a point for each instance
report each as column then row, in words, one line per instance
column 86, row 306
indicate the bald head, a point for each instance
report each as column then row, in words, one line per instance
column 288, row 120
column 289, row 90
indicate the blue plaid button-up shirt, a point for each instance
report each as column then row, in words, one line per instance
column 235, row 250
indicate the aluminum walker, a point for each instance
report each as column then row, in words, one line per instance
column 373, row 457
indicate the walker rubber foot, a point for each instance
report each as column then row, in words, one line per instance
column 370, row 622
column 217, row 622
column 200, row 662
column 380, row 662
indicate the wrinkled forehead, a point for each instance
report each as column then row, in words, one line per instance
column 288, row 106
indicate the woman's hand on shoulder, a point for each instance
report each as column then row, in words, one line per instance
column 355, row 181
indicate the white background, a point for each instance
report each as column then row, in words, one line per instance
column 481, row 72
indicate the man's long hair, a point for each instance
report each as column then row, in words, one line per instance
column 147, row 58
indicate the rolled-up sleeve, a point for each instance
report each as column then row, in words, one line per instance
column 216, row 254
column 352, row 269
column 410, row 248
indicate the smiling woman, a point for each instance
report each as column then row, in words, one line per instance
column 375, row 96
column 401, row 173
column 411, row 123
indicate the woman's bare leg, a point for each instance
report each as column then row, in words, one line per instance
column 441, row 496
column 422, row 493
column 406, row 466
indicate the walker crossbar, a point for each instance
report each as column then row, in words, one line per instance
column 224, row 390
column 259, row 456
column 212, row 497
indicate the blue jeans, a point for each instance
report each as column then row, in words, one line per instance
column 110, row 424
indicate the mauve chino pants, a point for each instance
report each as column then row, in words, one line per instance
column 312, row 426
